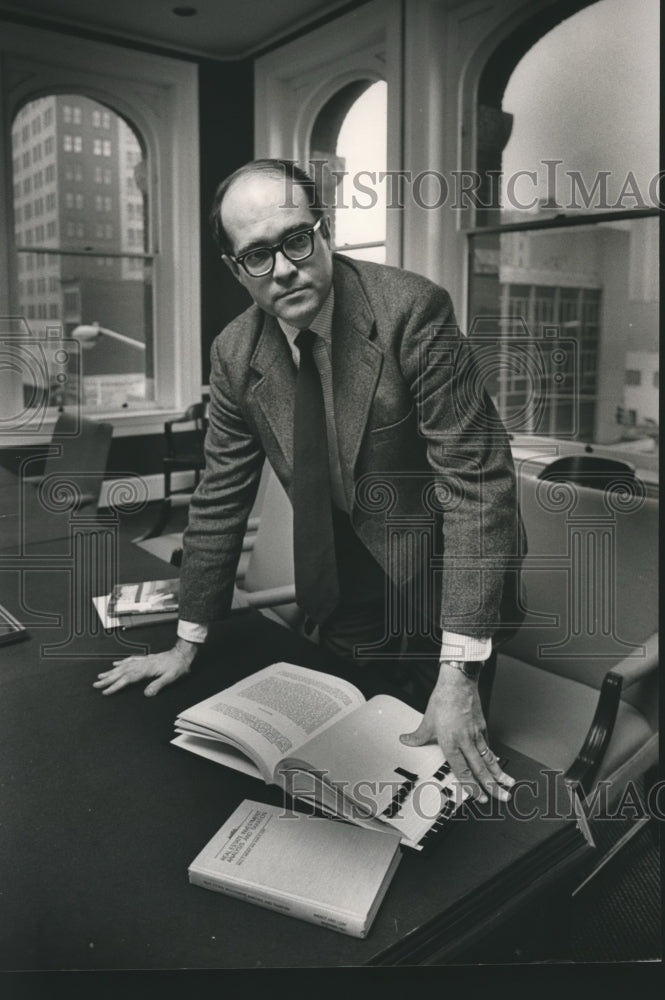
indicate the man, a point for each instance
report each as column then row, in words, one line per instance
column 399, row 409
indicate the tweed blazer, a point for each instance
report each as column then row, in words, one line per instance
column 426, row 464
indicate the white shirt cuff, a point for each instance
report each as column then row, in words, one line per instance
column 464, row 647
column 191, row 631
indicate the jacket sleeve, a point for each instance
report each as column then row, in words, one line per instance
column 221, row 503
column 469, row 454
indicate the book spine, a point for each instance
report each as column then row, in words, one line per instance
column 293, row 908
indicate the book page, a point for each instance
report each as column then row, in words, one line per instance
column 219, row 753
column 364, row 762
column 273, row 711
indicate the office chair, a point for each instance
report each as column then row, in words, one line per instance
column 595, row 471
column 575, row 688
column 77, row 458
column 183, row 453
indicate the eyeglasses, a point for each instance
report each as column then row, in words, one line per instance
column 295, row 247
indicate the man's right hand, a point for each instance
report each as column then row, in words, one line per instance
column 163, row 667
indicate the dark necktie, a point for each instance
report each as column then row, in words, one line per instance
column 317, row 588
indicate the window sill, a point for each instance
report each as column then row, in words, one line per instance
column 126, row 423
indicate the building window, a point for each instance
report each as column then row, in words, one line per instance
column 563, row 276
column 633, row 376
column 348, row 152
column 141, row 381
column 118, row 297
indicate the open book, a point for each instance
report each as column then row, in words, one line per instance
column 316, row 736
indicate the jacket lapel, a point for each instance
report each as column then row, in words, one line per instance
column 356, row 366
column 274, row 392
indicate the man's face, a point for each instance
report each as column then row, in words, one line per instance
column 256, row 212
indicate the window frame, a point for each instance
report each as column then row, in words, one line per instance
column 158, row 97
column 513, row 25
column 291, row 90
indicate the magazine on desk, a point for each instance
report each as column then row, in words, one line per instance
column 148, row 602
column 317, row 737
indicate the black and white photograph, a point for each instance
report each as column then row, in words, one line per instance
column 329, row 494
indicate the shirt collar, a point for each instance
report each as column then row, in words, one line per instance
column 321, row 324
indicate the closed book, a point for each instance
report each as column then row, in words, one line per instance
column 320, row 870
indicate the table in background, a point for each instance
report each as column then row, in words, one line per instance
column 104, row 815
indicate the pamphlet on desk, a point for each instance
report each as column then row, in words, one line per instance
column 149, row 602
column 316, row 736
column 332, row 874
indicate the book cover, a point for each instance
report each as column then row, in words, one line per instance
column 109, row 621
column 145, row 597
column 320, row 870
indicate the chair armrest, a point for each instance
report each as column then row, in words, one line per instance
column 625, row 673
column 634, row 668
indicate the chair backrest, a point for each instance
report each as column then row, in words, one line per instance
column 595, row 471
column 590, row 575
column 78, row 456
column 192, row 426
column 271, row 559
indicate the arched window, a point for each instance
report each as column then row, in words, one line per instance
column 348, row 146
column 83, row 262
column 105, row 149
column 564, row 255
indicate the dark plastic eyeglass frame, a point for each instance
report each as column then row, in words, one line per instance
column 309, row 230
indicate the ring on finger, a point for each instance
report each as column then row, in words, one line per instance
column 484, row 752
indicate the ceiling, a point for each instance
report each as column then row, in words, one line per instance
column 220, row 29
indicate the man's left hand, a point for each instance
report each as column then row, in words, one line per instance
column 455, row 720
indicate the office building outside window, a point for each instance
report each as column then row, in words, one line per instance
column 563, row 261
column 69, row 286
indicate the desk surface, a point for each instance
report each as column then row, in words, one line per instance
column 106, row 815
column 28, row 516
